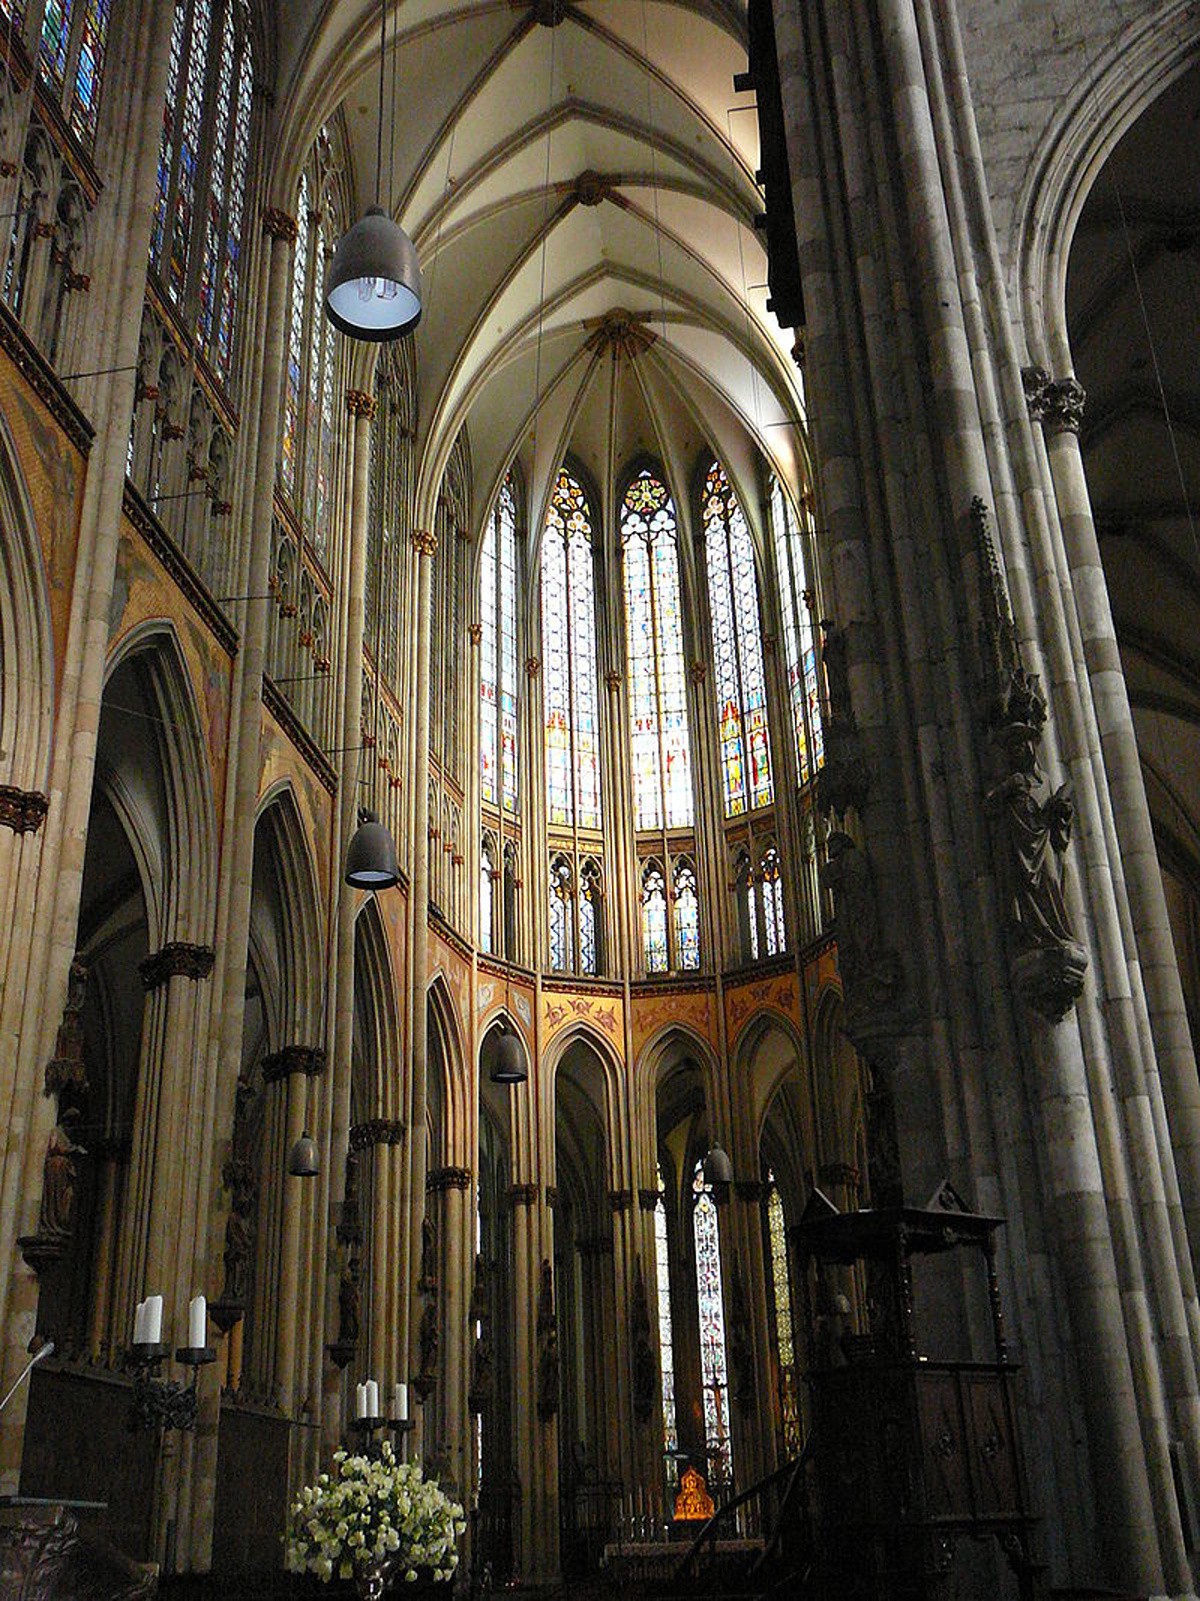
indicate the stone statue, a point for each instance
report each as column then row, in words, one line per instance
column 1033, row 836
column 59, row 1178
column 870, row 972
column 547, row 1334
column 429, row 1278
column 645, row 1375
column 837, row 672
column 482, row 1374
column 430, row 1340
column 349, row 1304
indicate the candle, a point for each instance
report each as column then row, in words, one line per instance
column 372, row 1399
column 152, row 1334
column 399, row 1402
column 197, row 1323
column 360, row 1401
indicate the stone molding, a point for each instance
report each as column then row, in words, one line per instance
column 523, row 1194
column 22, row 810
column 424, row 542
column 448, row 1178
column 177, row 959
column 309, row 1059
column 360, row 404
column 376, row 1131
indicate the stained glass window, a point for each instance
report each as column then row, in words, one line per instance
column 737, row 648
column 55, row 41
column 798, row 634
column 666, row 1349
column 662, row 776
column 591, row 895
column 654, row 918
column 70, row 57
column 711, row 1308
column 562, row 926
column 294, row 383
column 687, row 916
column 89, row 70
column 785, row 1348
column 203, row 161
column 570, row 698
column 771, row 885
column 498, row 651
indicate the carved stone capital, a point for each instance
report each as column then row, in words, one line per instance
column 1036, row 382
column 448, row 1178
column 424, row 542
column 833, row 1173
column 533, row 666
column 278, row 225
column 698, row 672
column 1065, row 400
column 376, row 1131
column 647, row 1200
column 309, row 1059
column 176, row 960
column 475, row 633
column 22, row 810
column 612, row 678
column 360, row 404
column 800, row 348
column 620, row 1200
column 522, row 1194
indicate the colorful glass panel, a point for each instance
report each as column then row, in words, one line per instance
column 589, row 909
column 666, row 1349
column 710, row 1306
column 188, row 173
column 498, row 651
column 798, row 634
column 486, row 868
column 89, row 70
column 295, row 361
column 562, row 947
column 785, row 1346
column 570, row 698
column 166, row 146
column 737, row 648
column 687, row 917
column 55, row 42
column 654, row 919
column 772, row 902
column 662, row 778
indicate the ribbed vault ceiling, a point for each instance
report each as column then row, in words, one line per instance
column 579, row 179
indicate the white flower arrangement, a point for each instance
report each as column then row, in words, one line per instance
column 374, row 1513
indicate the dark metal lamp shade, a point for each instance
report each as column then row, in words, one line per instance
column 718, row 1169
column 508, row 1064
column 371, row 859
column 302, row 1162
column 373, row 288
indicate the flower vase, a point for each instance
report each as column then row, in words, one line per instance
column 370, row 1584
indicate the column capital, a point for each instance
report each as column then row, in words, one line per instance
column 698, row 672
column 278, row 225
column 376, row 1131
column 22, row 810
column 424, row 541
column 533, row 666
column 522, row 1195
column 1065, row 402
column 475, row 633
column 612, row 678
column 647, row 1199
column 448, row 1178
column 309, row 1059
column 360, row 404
column 620, row 1200
column 176, row 960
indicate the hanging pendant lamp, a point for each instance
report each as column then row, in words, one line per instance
column 371, row 857
column 508, row 1064
column 303, row 1161
column 717, row 1167
column 373, row 287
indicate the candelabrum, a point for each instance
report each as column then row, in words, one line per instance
column 164, row 1403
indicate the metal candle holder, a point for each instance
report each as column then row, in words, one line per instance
column 165, row 1403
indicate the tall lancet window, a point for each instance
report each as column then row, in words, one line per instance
column 71, row 59
column 203, row 160
column 710, row 1303
column 795, row 602
column 662, row 768
column 666, row 1349
column 569, row 660
column 498, row 653
column 737, row 648
column 781, row 1300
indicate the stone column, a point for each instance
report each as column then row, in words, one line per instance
column 454, row 1186
column 293, row 1067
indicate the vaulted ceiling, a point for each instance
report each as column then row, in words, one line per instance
column 579, row 179
column 1133, row 314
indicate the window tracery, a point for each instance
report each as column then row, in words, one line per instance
column 795, row 597
column 571, row 705
column 666, row 1349
column 498, row 652
column 654, row 917
column 782, row 1328
column 737, row 648
column 70, row 59
column 714, row 1377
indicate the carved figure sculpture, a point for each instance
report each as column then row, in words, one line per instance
column 1033, row 836
column 870, row 972
column 349, row 1304
column 59, row 1178
column 547, row 1333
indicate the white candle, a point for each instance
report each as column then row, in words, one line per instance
column 154, row 1309
column 139, row 1324
column 372, row 1399
column 197, row 1323
column 399, row 1402
column 360, row 1401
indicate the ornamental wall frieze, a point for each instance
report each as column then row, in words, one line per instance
column 376, row 1131
column 779, row 994
column 660, row 1006
column 22, row 810
column 176, row 960
column 601, row 1012
column 306, row 1059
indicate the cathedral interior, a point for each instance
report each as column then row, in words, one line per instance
column 749, row 622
